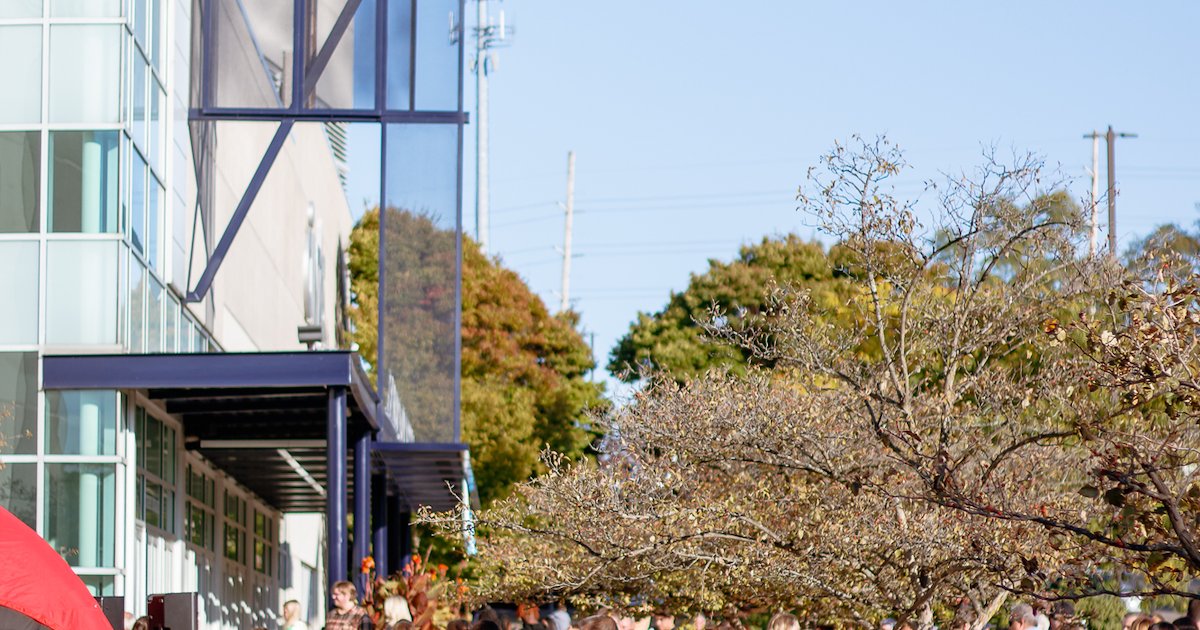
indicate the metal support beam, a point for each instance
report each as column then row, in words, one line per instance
column 362, row 507
column 239, row 214
column 406, row 539
column 379, row 524
column 335, row 506
column 395, row 534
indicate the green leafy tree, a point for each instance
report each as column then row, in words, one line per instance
column 672, row 340
column 524, row 385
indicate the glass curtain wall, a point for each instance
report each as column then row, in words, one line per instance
column 83, row 190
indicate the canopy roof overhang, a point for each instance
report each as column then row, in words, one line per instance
column 263, row 418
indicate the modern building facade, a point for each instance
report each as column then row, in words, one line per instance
column 170, row 474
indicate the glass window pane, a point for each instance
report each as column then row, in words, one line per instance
column 19, row 286
column 419, row 375
column 168, row 510
column 141, row 74
column 81, row 422
column 153, row 504
column 399, row 55
column 21, row 9
column 18, row 491
column 18, row 403
column 170, row 324
column 99, row 585
column 137, row 203
column 154, row 448
column 20, row 175
column 22, row 102
column 156, row 125
column 84, row 181
column 81, row 512
column 81, row 298
column 137, row 305
column 168, row 472
column 85, row 8
column 85, row 73
column 154, row 317
column 437, row 67
column 154, row 196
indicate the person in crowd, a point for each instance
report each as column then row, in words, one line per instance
column 1021, row 617
column 1185, row 623
column 291, row 616
column 699, row 621
column 142, row 623
column 783, row 621
column 1194, row 611
column 346, row 614
column 1062, row 614
column 1162, row 625
column 663, row 621
column 530, row 616
column 458, row 624
column 558, row 619
column 887, row 624
column 395, row 610
column 597, row 622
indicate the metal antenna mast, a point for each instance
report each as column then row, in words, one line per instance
column 487, row 36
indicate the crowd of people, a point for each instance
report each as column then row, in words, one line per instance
column 348, row 614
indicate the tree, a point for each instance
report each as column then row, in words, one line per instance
column 836, row 480
column 672, row 340
column 524, row 383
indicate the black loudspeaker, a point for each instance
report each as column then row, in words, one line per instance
column 113, row 608
column 174, row 611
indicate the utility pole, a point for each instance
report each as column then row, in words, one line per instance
column 1111, row 139
column 487, row 36
column 570, row 208
column 1093, row 238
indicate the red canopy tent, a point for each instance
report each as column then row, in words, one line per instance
column 37, row 588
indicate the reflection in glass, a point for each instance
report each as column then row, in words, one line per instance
column 419, row 375
column 85, row 73
column 438, row 64
column 137, row 203
column 399, row 55
column 21, row 82
column 137, row 128
column 18, row 402
column 137, row 306
column 18, row 491
column 171, row 330
column 154, row 196
column 21, row 9
column 19, row 288
column 81, row 422
column 83, row 181
column 154, row 317
column 85, row 8
column 81, row 512
column 244, row 36
column 20, row 177
column 81, row 292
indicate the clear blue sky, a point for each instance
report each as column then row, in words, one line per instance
column 694, row 122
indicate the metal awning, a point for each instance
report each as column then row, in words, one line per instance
column 262, row 418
